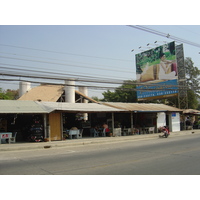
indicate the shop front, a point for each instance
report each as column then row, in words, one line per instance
column 54, row 120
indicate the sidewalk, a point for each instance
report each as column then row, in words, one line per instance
column 84, row 141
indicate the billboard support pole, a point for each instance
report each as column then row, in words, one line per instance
column 182, row 94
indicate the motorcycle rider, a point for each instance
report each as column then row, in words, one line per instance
column 165, row 131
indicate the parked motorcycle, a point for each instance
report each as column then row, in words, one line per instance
column 36, row 130
column 36, row 133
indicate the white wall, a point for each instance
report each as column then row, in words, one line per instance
column 161, row 119
column 175, row 119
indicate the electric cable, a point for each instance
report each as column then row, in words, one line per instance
column 86, row 80
column 93, row 65
column 149, row 30
column 62, row 64
column 57, row 52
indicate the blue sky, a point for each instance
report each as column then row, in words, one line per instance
column 97, row 51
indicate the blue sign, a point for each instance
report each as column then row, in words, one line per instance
column 159, row 90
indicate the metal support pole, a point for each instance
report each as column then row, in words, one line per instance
column 131, row 120
column 113, row 122
column 45, row 125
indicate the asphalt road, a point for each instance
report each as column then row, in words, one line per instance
column 172, row 156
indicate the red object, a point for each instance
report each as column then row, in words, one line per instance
column 166, row 129
column 174, row 68
column 107, row 130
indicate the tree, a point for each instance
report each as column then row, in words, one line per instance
column 9, row 94
column 192, row 99
column 192, row 76
column 96, row 98
column 124, row 93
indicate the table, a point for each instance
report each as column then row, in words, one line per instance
column 146, row 130
column 74, row 132
column 125, row 131
column 4, row 136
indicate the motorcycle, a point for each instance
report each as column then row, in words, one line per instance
column 36, row 133
column 165, row 132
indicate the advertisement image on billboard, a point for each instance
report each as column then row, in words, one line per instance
column 156, row 71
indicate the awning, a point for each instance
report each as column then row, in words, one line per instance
column 142, row 107
column 14, row 106
column 77, row 107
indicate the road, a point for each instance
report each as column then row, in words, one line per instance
column 172, row 156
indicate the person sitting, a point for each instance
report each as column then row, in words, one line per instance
column 94, row 132
column 106, row 130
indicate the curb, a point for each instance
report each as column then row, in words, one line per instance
column 87, row 141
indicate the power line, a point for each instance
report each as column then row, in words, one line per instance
column 62, row 75
column 95, row 87
column 93, row 65
column 58, row 52
column 166, row 35
column 63, row 64
column 90, row 81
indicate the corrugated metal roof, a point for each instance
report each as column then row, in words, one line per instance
column 143, row 107
column 49, row 93
column 13, row 106
column 77, row 107
column 191, row 111
column 44, row 93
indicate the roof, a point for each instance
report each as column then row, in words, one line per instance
column 77, row 107
column 191, row 111
column 143, row 107
column 13, row 106
column 44, row 93
column 49, row 93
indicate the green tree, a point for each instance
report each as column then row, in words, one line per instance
column 192, row 99
column 124, row 93
column 96, row 98
column 9, row 94
column 192, row 77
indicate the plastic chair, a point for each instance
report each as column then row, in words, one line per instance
column 73, row 132
column 130, row 131
column 13, row 138
column 104, row 133
column 80, row 135
column 94, row 133
column 151, row 129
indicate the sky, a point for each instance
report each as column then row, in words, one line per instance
column 97, row 52
column 84, row 52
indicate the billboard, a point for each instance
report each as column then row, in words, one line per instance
column 156, row 72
